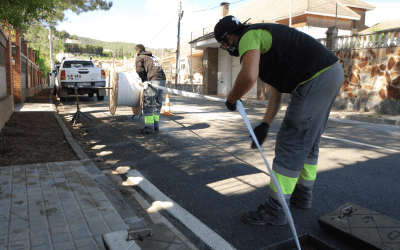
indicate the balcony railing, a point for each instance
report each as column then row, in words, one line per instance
column 386, row 38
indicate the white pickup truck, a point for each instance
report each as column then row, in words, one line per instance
column 80, row 74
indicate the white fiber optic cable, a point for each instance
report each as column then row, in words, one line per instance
column 242, row 112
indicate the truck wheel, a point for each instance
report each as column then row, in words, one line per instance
column 91, row 94
column 63, row 99
column 100, row 98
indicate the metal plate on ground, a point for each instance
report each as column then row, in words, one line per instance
column 362, row 228
column 307, row 242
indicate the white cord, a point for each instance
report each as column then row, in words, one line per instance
column 242, row 112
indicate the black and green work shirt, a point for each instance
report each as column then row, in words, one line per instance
column 288, row 57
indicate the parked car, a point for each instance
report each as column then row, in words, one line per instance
column 80, row 74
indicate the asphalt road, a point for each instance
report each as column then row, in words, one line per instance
column 202, row 160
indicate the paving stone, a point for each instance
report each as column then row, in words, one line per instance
column 103, row 203
column 99, row 227
column 59, row 230
column 21, row 193
column 70, row 205
column 85, row 242
column 19, row 213
column 39, row 233
column 78, row 227
column 18, row 226
column 34, row 198
column 34, row 191
column 57, row 220
column 81, row 234
column 19, row 202
column 18, row 237
column 74, row 217
column 66, row 245
column 66, row 196
column 100, row 242
column 5, row 204
column 3, row 240
column 22, row 244
column 5, row 213
column 86, row 203
column 4, row 229
column 40, row 241
column 92, row 214
column 35, row 211
column 38, row 222
column 118, row 227
column 92, row 247
column 44, row 247
column 113, row 219
column 57, row 238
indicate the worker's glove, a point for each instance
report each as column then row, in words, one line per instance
column 231, row 106
column 145, row 85
column 261, row 132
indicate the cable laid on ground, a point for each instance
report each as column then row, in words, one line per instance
column 242, row 112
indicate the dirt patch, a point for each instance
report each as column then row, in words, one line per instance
column 34, row 137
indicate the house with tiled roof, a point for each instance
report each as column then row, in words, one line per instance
column 313, row 17
column 383, row 25
column 187, row 57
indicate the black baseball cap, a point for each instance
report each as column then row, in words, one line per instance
column 226, row 26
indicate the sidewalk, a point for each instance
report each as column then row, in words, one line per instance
column 68, row 205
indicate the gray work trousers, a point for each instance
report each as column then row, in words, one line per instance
column 299, row 137
column 152, row 98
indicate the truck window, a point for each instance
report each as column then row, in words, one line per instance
column 78, row 64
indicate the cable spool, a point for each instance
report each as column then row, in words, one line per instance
column 125, row 91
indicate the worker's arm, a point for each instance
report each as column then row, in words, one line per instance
column 140, row 68
column 274, row 104
column 247, row 75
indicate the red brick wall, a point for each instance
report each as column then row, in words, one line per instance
column 25, row 44
column 17, row 94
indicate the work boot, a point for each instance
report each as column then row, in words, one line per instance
column 156, row 126
column 301, row 197
column 146, row 130
column 262, row 217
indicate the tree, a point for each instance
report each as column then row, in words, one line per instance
column 18, row 13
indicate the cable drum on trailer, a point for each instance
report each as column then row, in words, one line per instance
column 125, row 91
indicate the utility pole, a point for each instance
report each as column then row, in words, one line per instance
column 180, row 14
column 290, row 13
column 336, row 16
column 191, row 62
column 51, row 51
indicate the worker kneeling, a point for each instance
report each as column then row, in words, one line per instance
column 291, row 62
column 152, row 74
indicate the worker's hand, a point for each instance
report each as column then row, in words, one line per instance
column 231, row 106
column 261, row 132
column 145, row 85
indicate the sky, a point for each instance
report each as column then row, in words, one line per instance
column 154, row 23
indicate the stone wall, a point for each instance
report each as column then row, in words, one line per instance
column 372, row 80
